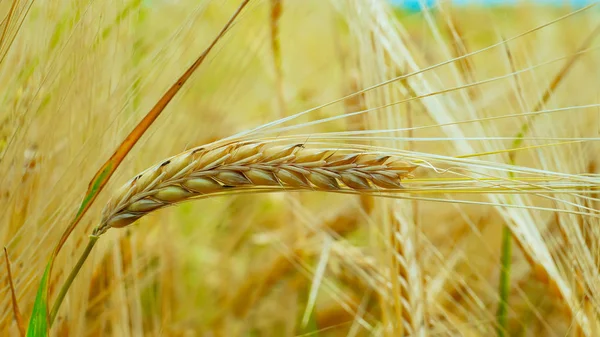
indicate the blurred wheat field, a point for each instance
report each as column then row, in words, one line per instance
column 499, row 108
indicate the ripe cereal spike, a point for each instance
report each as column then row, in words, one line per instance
column 242, row 165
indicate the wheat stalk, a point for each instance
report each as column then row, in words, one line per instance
column 203, row 171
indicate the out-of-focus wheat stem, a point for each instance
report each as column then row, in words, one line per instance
column 15, row 304
column 275, row 18
column 504, row 287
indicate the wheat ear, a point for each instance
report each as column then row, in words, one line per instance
column 250, row 165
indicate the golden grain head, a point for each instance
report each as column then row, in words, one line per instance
column 201, row 172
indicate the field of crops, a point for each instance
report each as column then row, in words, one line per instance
column 299, row 168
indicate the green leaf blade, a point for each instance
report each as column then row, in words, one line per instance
column 38, row 323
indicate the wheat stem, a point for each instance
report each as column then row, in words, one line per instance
column 65, row 287
column 504, row 287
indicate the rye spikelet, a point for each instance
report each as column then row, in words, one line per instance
column 249, row 165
